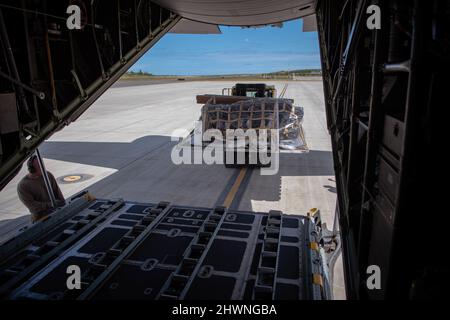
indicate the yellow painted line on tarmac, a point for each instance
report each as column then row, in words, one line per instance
column 283, row 91
column 232, row 193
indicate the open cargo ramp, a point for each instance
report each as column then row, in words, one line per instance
column 208, row 253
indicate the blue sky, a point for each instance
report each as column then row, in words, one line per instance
column 236, row 50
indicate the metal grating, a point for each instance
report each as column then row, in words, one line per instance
column 177, row 252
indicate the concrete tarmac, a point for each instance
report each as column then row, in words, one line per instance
column 122, row 145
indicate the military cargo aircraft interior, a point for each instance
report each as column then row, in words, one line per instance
column 339, row 197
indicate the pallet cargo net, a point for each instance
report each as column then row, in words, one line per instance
column 259, row 113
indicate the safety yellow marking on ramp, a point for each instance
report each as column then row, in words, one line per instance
column 232, row 193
